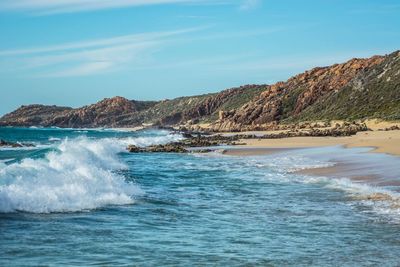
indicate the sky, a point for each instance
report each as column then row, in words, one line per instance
column 77, row 52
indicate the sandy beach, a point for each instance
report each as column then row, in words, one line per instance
column 379, row 141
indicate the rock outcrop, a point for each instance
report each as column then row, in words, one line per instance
column 121, row 112
column 105, row 113
column 198, row 141
column 286, row 100
column 33, row 115
column 204, row 143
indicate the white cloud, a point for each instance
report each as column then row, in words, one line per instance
column 82, row 70
column 250, row 4
column 125, row 39
column 88, row 57
column 68, row 6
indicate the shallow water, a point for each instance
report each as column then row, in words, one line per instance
column 80, row 199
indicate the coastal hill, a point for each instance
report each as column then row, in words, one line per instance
column 121, row 112
column 358, row 89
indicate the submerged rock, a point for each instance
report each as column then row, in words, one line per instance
column 168, row 148
column 4, row 143
column 184, row 145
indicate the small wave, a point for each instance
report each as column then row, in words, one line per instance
column 54, row 139
column 379, row 199
column 35, row 147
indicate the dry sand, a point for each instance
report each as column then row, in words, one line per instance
column 380, row 141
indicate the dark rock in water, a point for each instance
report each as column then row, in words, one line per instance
column 187, row 135
column 202, row 151
column 200, row 141
column 168, row 148
column 182, row 146
column 134, row 149
column 4, row 143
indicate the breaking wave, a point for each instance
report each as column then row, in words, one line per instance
column 78, row 175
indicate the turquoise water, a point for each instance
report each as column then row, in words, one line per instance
column 79, row 199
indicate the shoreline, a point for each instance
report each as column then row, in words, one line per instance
column 381, row 142
column 387, row 142
column 129, row 129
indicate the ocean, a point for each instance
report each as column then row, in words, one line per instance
column 79, row 199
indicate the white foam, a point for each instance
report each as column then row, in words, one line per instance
column 5, row 161
column 78, row 176
column 8, row 148
column 150, row 140
column 380, row 200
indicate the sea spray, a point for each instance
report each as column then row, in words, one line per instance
column 77, row 176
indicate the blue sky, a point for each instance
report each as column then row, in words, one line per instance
column 76, row 52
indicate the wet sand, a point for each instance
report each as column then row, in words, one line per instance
column 379, row 141
column 253, row 151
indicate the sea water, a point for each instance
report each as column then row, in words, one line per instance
column 78, row 198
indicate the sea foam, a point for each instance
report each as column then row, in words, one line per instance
column 380, row 199
column 78, row 175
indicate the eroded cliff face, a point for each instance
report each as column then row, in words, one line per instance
column 211, row 105
column 288, row 99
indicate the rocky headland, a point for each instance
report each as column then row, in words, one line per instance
column 357, row 90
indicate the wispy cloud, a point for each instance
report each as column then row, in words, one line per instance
column 250, row 4
column 43, row 7
column 89, row 57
